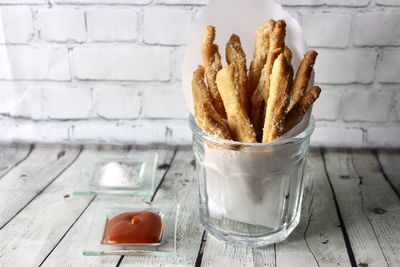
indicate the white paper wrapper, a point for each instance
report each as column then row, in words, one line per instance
column 243, row 199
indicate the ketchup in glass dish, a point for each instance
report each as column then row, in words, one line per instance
column 139, row 227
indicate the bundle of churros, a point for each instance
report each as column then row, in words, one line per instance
column 258, row 104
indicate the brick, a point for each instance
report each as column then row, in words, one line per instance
column 173, row 132
column 28, row 131
column 21, row 102
column 140, row 64
column 20, row 2
column 300, row 2
column 171, row 106
column 350, row 3
column 61, row 25
column 337, row 137
column 165, row 26
column 366, row 106
column 182, row 2
column 377, row 28
column 112, row 25
column 384, row 137
column 117, row 102
column 177, row 57
column 388, row 2
column 23, row 63
column 16, row 25
column 107, row 2
column 327, row 29
column 345, row 66
column 389, row 66
column 327, row 105
column 64, row 102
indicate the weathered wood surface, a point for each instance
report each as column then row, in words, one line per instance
column 390, row 164
column 11, row 156
column 27, row 179
column 318, row 240
column 353, row 218
column 369, row 207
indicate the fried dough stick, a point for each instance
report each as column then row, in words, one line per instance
column 277, row 100
column 260, row 95
column 238, row 121
column 212, row 64
column 260, row 54
column 235, row 55
column 300, row 108
column 257, row 100
column 302, row 78
column 209, row 120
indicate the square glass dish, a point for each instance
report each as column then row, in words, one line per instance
column 132, row 175
column 133, row 222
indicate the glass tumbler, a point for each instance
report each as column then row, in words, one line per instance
column 250, row 193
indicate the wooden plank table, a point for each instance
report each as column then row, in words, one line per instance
column 351, row 210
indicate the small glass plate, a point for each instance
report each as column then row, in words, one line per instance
column 107, row 207
column 131, row 175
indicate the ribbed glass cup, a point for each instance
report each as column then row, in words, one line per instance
column 250, row 193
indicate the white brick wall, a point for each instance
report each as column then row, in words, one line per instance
column 389, row 66
column 334, row 27
column 61, row 25
column 110, row 70
column 345, row 66
column 110, row 63
column 16, row 25
column 377, row 28
column 33, row 63
column 117, row 102
column 112, row 25
column 165, row 26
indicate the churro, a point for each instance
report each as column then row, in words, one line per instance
column 260, row 95
column 277, row 100
column 255, row 106
column 260, row 54
column 300, row 108
column 209, row 120
column 238, row 121
column 235, row 55
column 302, row 78
column 212, row 64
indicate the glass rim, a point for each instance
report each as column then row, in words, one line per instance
column 298, row 138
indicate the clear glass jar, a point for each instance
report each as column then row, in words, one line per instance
column 250, row 193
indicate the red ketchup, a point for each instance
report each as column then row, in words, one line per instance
column 141, row 227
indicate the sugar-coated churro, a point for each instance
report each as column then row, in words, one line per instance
column 209, row 120
column 238, row 121
column 302, row 78
column 260, row 95
column 260, row 54
column 300, row 108
column 255, row 106
column 212, row 64
column 277, row 100
column 235, row 55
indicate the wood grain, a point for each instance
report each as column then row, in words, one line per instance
column 318, row 239
column 26, row 180
column 390, row 163
column 11, row 156
column 369, row 206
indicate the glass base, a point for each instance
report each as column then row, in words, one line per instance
column 242, row 239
